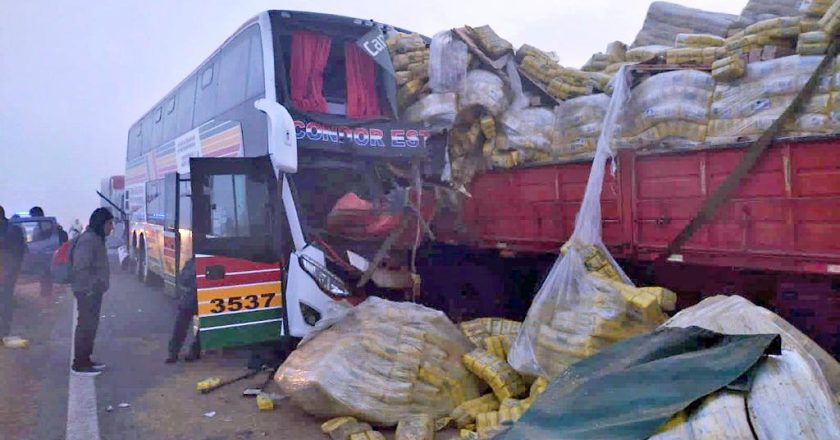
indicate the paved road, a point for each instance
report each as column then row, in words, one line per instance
column 135, row 327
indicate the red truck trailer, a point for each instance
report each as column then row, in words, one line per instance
column 776, row 240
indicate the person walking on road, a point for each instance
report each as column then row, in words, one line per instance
column 91, row 276
column 187, row 308
column 12, row 249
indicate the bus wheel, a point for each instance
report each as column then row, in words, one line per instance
column 140, row 267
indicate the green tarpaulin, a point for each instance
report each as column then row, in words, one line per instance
column 630, row 389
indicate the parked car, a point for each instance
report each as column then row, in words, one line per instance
column 42, row 240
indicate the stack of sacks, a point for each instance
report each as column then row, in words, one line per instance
column 669, row 109
column 699, row 40
column 729, row 68
column 830, row 21
column 665, row 20
column 559, row 81
column 410, row 57
column 599, row 81
column 528, row 131
column 490, row 43
column 645, row 53
column 781, row 32
column 743, row 109
column 694, row 55
column 597, row 63
column 382, row 362
column 579, row 317
column 577, row 124
column 812, row 43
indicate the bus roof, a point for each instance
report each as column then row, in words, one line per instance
column 285, row 14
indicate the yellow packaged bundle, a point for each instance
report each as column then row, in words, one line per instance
column 599, row 81
column 645, row 53
column 498, row 345
column 812, row 43
column 466, row 412
column 505, row 159
column 642, row 305
column 477, row 330
column 528, row 50
column 418, row 427
column 539, row 386
column 728, row 68
column 596, row 63
column 401, row 43
column 573, row 76
column 698, row 40
column 809, row 24
column 595, row 260
column 488, row 126
column 409, row 92
column 667, row 299
column 503, row 380
column 487, row 420
column 368, row 435
column 772, row 25
column 265, row 402
column 563, row 90
column 830, row 21
column 616, row 52
column 493, row 45
column 419, row 70
column 509, row 415
column 403, row 60
column 467, row 434
column 540, row 69
column 206, row 384
column 342, row 428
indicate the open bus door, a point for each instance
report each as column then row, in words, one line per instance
column 238, row 271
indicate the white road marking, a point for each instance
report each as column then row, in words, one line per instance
column 82, row 416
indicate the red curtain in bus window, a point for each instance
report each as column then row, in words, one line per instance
column 309, row 57
column 362, row 96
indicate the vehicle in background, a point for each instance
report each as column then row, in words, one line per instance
column 112, row 197
column 42, row 240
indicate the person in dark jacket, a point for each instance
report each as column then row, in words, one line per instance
column 91, row 276
column 12, row 249
column 187, row 308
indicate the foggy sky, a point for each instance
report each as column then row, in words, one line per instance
column 74, row 75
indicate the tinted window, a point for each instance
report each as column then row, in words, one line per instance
column 148, row 128
column 134, row 142
column 186, row 98
column 169, row 119
column 256, row 75
column 233, row 72
column 205, row 98
column 157, row 134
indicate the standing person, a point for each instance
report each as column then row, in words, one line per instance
column 187, row 308
column 91, row 276
column 44, row 231
column 12, row 248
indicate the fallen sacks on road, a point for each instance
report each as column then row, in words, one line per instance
column 383, row 362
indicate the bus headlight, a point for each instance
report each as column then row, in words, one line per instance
column 328, row 282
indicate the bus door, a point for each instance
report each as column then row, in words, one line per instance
column 238, row 271
column 171, row 229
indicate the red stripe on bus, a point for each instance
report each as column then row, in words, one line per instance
column 240, row 279
column 231, row 264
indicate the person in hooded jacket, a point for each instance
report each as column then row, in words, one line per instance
column 91, row 275
column 12, row 249
column 187, row 308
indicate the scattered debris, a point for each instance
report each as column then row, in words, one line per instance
column 124, row 405
column 210, row 414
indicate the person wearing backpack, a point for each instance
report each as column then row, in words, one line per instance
column 12, row 249
column 90, row 281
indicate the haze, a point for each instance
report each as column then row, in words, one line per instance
column 74, row 75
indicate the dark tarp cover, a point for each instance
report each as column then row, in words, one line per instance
column 630, row 389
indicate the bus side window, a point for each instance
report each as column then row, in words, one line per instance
column 157, row 135
column 147, row 129
column 169, row 119
column 233, row 73
column 205, row 97
column 256, row 74
column 185, row 104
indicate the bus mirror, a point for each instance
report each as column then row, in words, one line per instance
column 282, row 140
